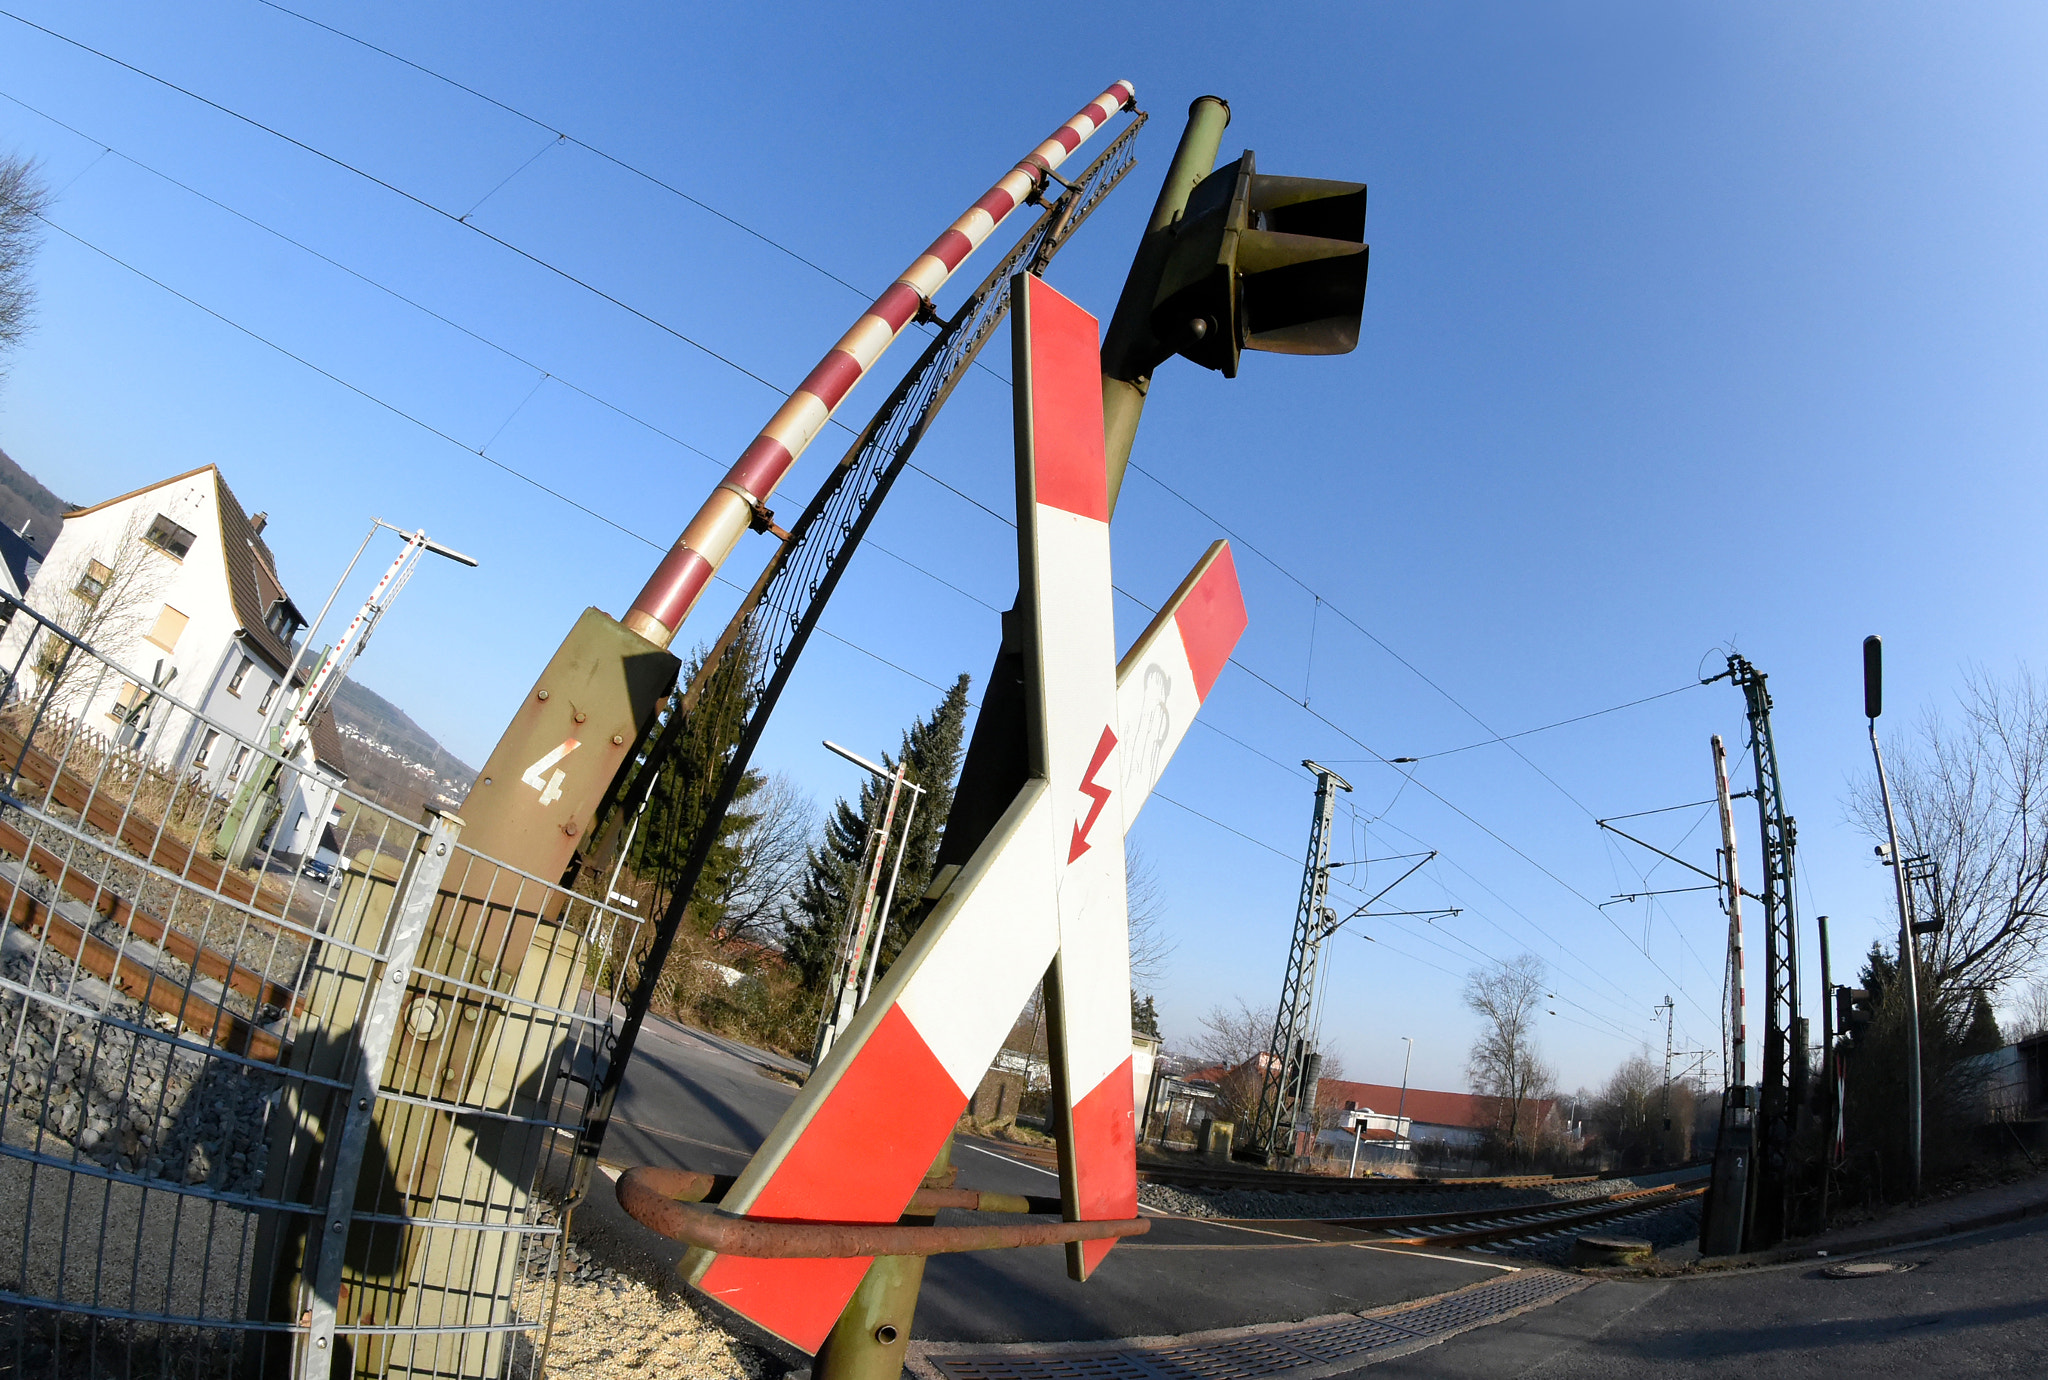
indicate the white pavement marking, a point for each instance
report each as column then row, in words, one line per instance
column 1430, row 1255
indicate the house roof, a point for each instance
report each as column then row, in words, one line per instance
column 1423, row 1106
column 327, row 745
column 253, row 585
column 19, row 557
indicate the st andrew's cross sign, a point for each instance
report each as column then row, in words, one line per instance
column 1043, row 897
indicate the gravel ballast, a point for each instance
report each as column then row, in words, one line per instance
column 610, row 1326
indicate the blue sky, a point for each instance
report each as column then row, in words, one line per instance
column 1688, row 326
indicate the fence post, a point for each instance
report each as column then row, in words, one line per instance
column 380, row 1025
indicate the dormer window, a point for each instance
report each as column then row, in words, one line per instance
column 281, row 621
column 168, row 537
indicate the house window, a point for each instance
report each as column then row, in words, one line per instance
column 170, row 626
column 269, row 697
column 126, row 703
column 93, row 583
column 206, row 747
column 241, row 674
column 241, row 761
column 168, row 537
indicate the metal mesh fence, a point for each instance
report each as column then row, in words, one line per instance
column 310, row 1116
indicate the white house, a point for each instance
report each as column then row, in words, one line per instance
column 175, row 585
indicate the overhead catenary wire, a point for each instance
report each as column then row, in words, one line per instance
column 430, row 428
column 543, row 373
column 765, row 382
column 514, row 471
column 417, row 200
column 564, row 136
column 734, row 364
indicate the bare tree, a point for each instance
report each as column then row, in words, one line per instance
column 2026, row 1012
column 1625, row 1112
column 1232, row 1039
column 1504, row 1063
column 1972, row 797
column 782, row 825
column 106, row 598
column 22, row 198
column 1151, row 946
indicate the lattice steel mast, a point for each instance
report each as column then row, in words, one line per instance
column 1280, row 1093
column 1783, row 1090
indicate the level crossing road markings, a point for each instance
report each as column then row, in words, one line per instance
column 1042, row 897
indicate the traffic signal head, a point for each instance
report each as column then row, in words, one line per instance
column 1873, row 676
column 1263, row 263
column 1852, row 1010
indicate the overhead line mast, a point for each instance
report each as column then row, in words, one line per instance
column 1280, row 1091
column 1782, row 1102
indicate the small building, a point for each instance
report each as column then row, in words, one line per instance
column 2011, row 1084
column 175, row 584
column 1456, row 1123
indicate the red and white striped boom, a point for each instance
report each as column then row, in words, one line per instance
column 659, row 610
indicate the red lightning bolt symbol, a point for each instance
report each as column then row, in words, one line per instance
column 1099, row 794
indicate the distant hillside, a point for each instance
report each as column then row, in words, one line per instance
column 24, row 499
column 393, row 760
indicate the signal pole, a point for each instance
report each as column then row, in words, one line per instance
column 1909, row 958
column 1669, row 1010
column 1724, row 1224
column 1831, row 1096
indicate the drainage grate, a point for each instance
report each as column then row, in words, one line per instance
column 1314, row 1348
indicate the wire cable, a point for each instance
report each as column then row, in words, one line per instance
column 767, row 383
column 565, row 137
column 416, row 200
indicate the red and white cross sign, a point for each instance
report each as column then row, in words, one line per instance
column 1042, row 898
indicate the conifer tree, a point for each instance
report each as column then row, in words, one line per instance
column 678, row 807
column 931, row 753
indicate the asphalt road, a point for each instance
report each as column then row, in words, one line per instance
column 694, row 1101
column 1974, row 1306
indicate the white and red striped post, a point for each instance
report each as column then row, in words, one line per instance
column 1044, row 891
column 673, row 590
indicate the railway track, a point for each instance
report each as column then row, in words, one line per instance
column 1277, row 1181
column 1209, row 1175
column 1516, row 1225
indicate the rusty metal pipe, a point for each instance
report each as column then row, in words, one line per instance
column 641, row 1194
column 740, row 501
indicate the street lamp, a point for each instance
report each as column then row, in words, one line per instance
column 1401, row 1112
column 1909, row 958
column 852, row 994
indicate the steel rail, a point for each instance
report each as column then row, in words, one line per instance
column 645, row 1194
column 1457, row 1215
column 1544, row 1224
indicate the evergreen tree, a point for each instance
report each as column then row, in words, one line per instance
column 1956, row 1023
column 930, row 752
column 680, row 803
column 1982, row 1035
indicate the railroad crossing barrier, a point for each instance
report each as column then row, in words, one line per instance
column 240, row 1131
